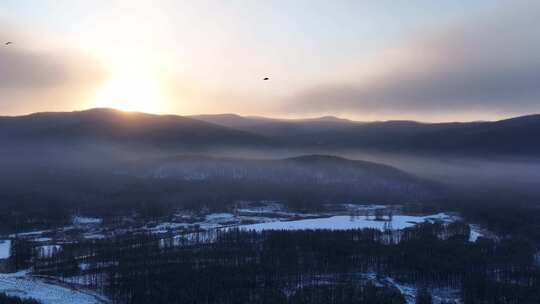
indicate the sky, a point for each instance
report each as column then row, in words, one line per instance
column 452, row 60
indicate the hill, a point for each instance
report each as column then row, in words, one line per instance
column 511, row 137
column 329, row 177
column 106, row 129
column 102, row 129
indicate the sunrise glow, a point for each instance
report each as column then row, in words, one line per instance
column 130, row 93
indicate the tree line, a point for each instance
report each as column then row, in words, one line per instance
column 322, row 266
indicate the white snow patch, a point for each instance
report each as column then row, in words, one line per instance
column 475, row 233
column 219, row 216
column 408, row 291
column 169, row 226
column 83, row 220
column 343, row 222
column 84, row 266
column 29, row 233
column 23, row 285
column 207, row 226
column 94, row 236
column 360, row 207
column 5, row 248
column 48, row 250
column 273, row 208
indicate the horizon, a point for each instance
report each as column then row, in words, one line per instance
column 364, row 61
column 196, row 116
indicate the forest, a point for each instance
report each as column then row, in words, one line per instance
column 309, row 266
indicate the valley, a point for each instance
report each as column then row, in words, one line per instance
column 187, row 227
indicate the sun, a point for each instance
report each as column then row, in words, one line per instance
column 130, row 93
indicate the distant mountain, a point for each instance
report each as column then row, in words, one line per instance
column 515, row 136
column 108, row 126
column 278, row 128
column 170, row 134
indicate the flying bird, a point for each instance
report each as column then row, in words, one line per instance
column 8, row 43
column 266, row 78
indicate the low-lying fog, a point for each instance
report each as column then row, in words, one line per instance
column 468, row 173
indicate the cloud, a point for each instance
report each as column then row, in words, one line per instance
column 38, row 80
column 485, row 65
column 26, row 69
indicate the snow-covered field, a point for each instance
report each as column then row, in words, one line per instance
column 344, row 222
column 271, row 216
column 258, row 217
column 23, row 285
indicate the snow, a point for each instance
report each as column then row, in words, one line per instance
column 82, row 220
column 270, row 208
column 169, row 226
column 23, row 285
column 48, row 250
column 5, row 246
column 208, row 226
column 361, row 207
column 408, row 291
column 219, row 216
column 343, row 222
column 30, row 233
column 475, row 233
column 84, row 266
column 439, row 295
column 94, row 236
column 263, row 209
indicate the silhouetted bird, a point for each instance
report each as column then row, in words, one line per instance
column 266, row 78
column 8, row 43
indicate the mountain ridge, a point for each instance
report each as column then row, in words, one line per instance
column 110, row 125
column 513, row 136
